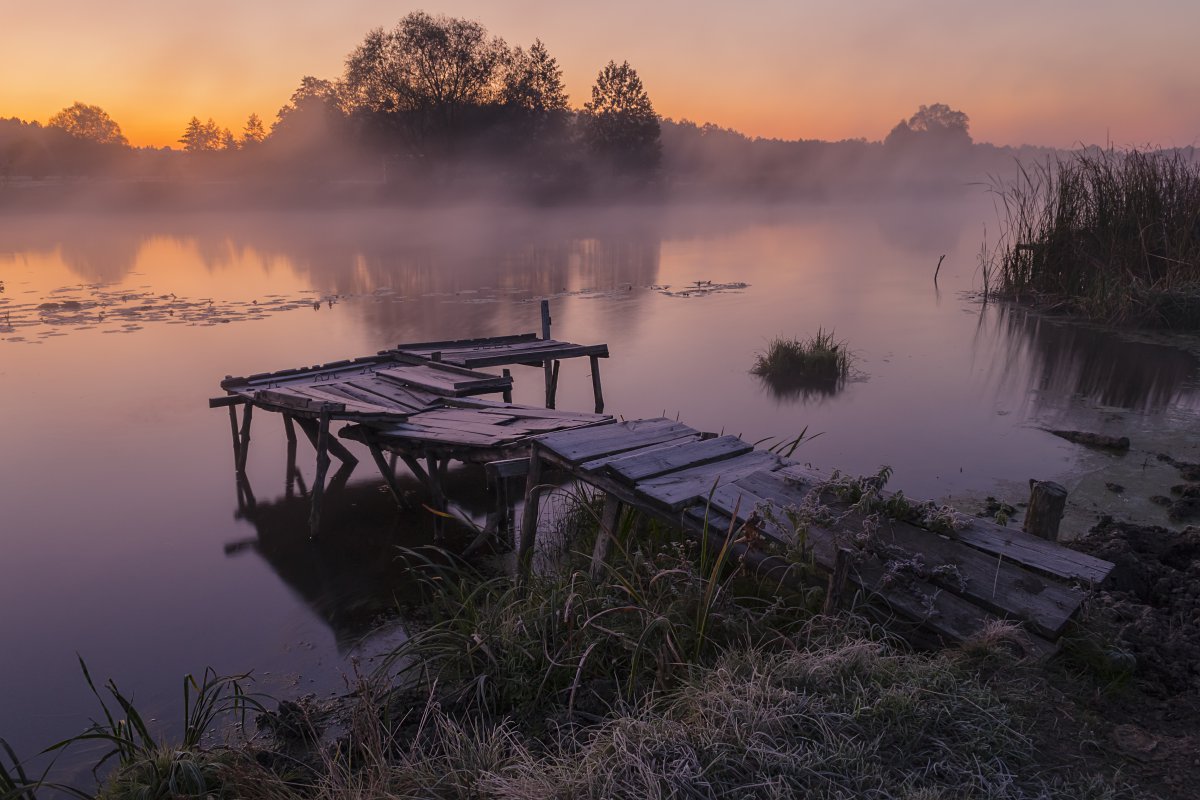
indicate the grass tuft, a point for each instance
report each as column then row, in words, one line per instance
column 818, row 364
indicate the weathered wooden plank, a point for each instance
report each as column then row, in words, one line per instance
column 599, row 463
column 445, row 380
column 644, row 464
column 526, row 355
column 412, row 398
column 1015, row 545
column 320, row 394
column 947, row 615
column 289, row 398
column 999, row 585
column 586, row 444
column 487, row 341
column 677, row 489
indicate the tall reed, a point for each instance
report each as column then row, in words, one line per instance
column 1111, row 236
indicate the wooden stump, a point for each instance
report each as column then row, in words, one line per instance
column 1047, row 502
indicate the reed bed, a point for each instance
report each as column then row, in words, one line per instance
column 1110, row 236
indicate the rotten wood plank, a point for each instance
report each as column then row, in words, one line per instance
column 586, row 444
column 677, row 489
column 651, row 463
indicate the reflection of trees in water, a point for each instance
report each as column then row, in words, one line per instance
column 354, row 574
column 1064, row 362
column 427, row 267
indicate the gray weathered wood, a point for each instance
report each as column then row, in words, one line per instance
column 642, row 465
column 545, row 307
column 1047, row 502
column 586, row 444
column 609, row 519
column 389, row 475
column 597, row 391
column 311, row 430
column 244, row 448
column 678, row 489
column 529, row 517
column 507, row 373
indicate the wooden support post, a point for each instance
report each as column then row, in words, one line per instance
column 552, row 388
column 435, row 468
column 318, row 489
column 436, row 355
column 546, row 365
column 596, row 390
column 529, row 518
column 289, row 428
column 245, row 495
column 233, row 426
column 609, row 518
column 244, row 450
column 415, row 467
column 389, row 475
column 834, row 594
column 1047, row 502
column 507, row 392
column 334, row 446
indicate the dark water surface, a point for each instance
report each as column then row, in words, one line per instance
column 120, row 534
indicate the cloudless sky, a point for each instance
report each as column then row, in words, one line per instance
column 1056, row 72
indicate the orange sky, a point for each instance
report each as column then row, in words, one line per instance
column 1054, row 72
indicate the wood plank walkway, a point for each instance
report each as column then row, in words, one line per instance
column 784, row 520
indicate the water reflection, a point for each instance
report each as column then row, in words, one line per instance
column 361, row 572
column 1063, row 365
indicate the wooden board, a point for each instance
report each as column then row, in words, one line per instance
column 597, row 464
column 1015, row 545
column 996, row 584
column 585, row 444
column 678, row 489
column 650, row 463
column 445, row 380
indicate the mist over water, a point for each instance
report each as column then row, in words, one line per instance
column 124, row 540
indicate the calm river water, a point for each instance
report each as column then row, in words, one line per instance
column 120, row 534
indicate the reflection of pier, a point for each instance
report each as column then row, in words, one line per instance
column 352, row 580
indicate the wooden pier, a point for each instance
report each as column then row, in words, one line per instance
column 421, row 404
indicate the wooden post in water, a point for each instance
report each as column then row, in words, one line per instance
column 529, row 518
column 318, row 489
column 387, row 471
column 244, row 450
column 1047, row 502
column 552, row 392
column 233, row 426
column 506, row 372
column 596, row 390
column 546, row 365
column 609, row 519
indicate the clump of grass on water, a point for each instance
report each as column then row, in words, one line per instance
column 817, row 362
column 1114, row 237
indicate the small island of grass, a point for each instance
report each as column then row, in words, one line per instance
column 819, row 363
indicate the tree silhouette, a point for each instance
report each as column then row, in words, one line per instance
column 201, row 137
column 938, row 123
column 428, row 69
column 254, row 132
column 619, row 122
column 88, row 122
column 533, row 80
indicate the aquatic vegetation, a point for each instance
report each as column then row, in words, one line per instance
column 1113, row 237
column 818, row 363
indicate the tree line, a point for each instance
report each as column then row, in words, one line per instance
column 440, row 99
